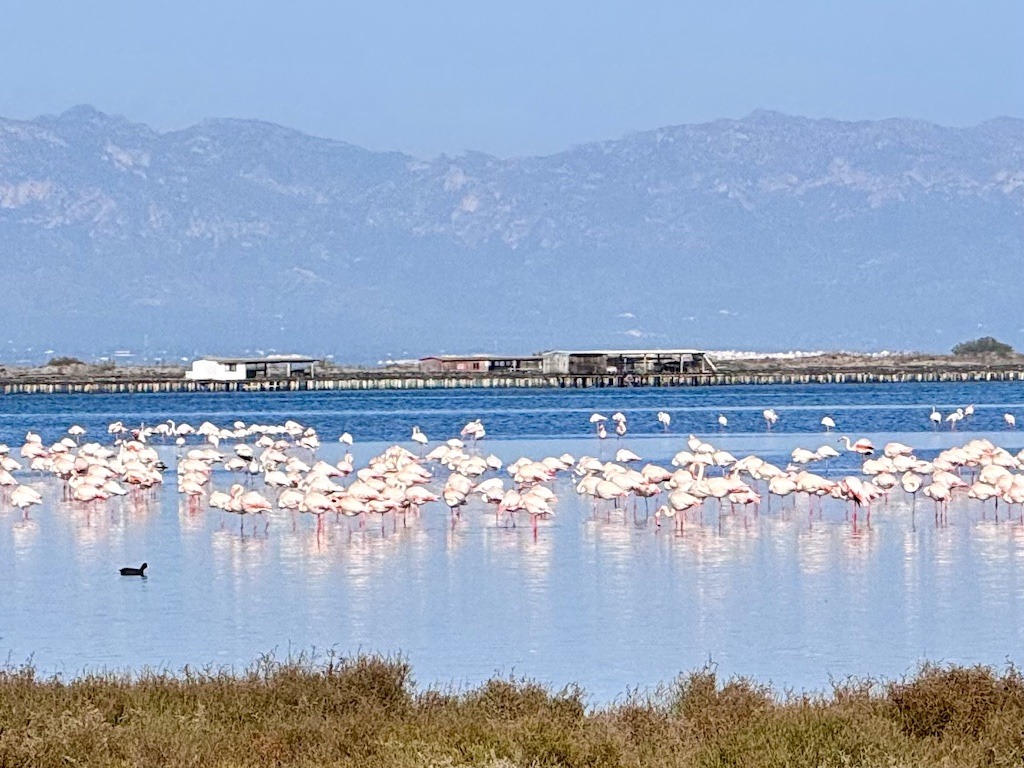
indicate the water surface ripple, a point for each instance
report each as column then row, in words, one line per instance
column 600, row 597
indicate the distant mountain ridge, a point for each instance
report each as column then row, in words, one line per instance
column 771, row 231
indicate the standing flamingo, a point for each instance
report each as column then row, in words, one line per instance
column 24, row 498
column 955, row 417
column 863, row 446
column 536, row 507
column 247, row 503
column 853, row 489
column 911, row 483
column 941, row 495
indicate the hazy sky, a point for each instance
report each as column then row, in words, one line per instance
column 514, row 77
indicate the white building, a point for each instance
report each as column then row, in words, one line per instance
column 242, row 368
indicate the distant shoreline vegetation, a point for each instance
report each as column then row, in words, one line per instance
column 986, row 345
column 367, row 710
column 985, row 352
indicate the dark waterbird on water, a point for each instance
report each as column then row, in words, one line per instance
column 140, row 571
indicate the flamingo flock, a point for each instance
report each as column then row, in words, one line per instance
column 88, row 473
column 283, row 458
column 275, row 470
column 771, row 418
column 976, row 470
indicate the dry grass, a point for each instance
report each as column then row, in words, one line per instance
column 366, row 711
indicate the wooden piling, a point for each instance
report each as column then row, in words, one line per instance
column 410, row 381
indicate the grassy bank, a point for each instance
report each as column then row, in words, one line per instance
column 367, row 711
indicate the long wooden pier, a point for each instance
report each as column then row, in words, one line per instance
column 377, row 381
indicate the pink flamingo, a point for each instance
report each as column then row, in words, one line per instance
column 863, row 446
column 247, row 503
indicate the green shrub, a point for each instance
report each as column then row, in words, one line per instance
column 60, row 362
column 986, row 345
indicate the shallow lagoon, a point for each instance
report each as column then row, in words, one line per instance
column 602, row 598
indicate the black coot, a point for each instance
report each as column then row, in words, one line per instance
column 140, row 571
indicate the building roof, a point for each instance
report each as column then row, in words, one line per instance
column 260, row 360
column 625, row 352
column 480, row 357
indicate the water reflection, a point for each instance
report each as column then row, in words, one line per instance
column 23, row 534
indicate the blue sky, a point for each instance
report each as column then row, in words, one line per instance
column 510, row 78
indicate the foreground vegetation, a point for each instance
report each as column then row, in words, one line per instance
column 366, row 711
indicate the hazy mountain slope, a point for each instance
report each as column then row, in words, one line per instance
column 771, row 231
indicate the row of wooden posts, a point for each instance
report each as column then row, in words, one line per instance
column 365, row 381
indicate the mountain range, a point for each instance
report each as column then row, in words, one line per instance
column 767, row 232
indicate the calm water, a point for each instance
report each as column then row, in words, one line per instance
column 599, row 597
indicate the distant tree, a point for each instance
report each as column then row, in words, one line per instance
column 60, row 362
column 986, row 345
